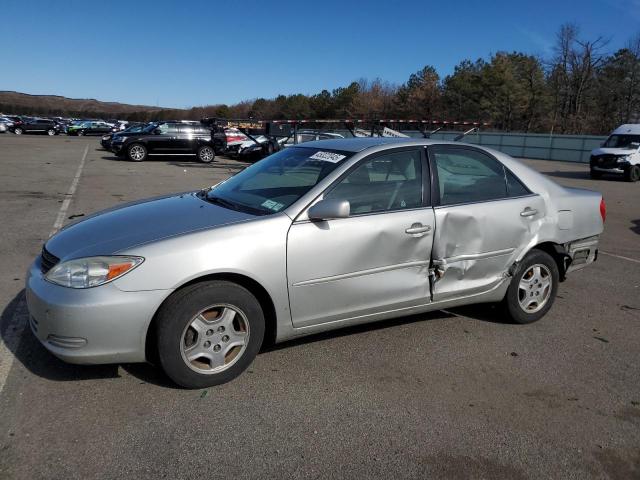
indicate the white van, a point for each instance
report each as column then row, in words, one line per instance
column 619, row 154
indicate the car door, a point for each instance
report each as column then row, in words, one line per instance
column 377, row 259
column 484, row 217
column 186, row 139
column 163, row 138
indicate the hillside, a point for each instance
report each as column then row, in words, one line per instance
column 16, row 102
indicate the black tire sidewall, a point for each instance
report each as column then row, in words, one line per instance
column 180, row 309
column 512, row 308
column 199, row 154
column 633, row 174
column 139, row 145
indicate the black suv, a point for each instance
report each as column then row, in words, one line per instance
column 35, row 125
column 165, row 138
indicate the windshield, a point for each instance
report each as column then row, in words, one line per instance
column 622, row 141
column 276, row 182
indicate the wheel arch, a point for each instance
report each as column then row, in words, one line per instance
column 261, row 294
column 558, row 253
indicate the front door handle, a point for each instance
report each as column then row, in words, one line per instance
column 528, row 212
column 417, row 228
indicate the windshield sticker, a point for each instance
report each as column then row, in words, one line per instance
column 327, row 156
column 271, row 205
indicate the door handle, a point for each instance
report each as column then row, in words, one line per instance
column 417, row 228
column 528, row 212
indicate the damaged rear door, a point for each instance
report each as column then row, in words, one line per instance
column 484, row 217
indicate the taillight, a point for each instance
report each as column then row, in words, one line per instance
column 603, row 210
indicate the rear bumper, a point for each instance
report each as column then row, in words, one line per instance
column 582, row 253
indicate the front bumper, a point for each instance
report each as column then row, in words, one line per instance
column 608, row 170
column 116, row 147
column 88, row 326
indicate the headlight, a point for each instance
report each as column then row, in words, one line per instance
column 92, row 271
column 117, row 139
column 626, row 158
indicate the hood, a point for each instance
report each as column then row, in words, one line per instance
column 117, row 229
column 613, row 151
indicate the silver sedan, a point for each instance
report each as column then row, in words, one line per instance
column 315, row 237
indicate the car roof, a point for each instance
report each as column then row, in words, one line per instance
column 355, row 144
column 629, row 128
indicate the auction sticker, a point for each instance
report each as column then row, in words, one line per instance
column 327, row 157
column 271, row 205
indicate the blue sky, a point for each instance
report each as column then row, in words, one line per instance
column 182, row 54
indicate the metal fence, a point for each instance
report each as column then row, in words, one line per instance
column 567, row 148
column 542, row 146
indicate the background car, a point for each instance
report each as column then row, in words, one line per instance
column 619, row 154
column 35, row 125
column 105, row 141
column 166, row 138
column 89, row 128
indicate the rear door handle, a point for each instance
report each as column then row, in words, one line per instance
column 528, row 212
column 417, row 228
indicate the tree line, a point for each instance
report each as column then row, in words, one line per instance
column 581, row 88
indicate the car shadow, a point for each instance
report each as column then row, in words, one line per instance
column 220, row 163
column 38, row 361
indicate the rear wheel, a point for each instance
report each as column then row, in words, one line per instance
column 51, row 132
column 80, row 133
column 206, row 154
column 533, row 288
column 632, row 174
column 136, row 152
column 595, row 174
column 17, row 131
column 209, row 333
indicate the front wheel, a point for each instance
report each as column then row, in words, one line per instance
column 136, row 152
column 632, row 174
column 17, row 131
column 206, row 154
column 80, row 133
column 533, row 288
column 209, row 333
column 51, row 132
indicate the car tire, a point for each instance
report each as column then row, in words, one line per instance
column 632, row 174
column 17, row 131
column 206, row 154
column 595, row 175
column 51, row 132
column 80, row 133
column 136, row 152
column 198, row 327
column 533, row 288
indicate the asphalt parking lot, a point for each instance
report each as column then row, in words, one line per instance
column 451, row 394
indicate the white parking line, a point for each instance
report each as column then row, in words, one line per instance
column 621, row 257
column 11, row 339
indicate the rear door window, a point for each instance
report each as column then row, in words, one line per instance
column 467, row 176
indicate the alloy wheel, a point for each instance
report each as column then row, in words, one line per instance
column 534, row 289
column 215, row 339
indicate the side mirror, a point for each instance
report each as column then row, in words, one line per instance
column 328, row 209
